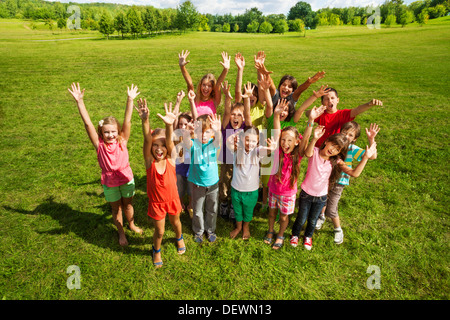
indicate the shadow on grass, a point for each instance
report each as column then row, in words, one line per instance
column 96, row 229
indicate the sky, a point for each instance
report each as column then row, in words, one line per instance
column 238, row 6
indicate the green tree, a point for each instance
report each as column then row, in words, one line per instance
column 61, row 23
column 356, row 21
column 296, row 25
column 302, row 10
column 252, row 27
column 236, row 27
column 390, row 20
column 187, row 16
column 149, row 19
column 334, row 20
column 106, row 24
column 135, row 21
column 203, row 23
column 226, row 27
column 437, row 11
column 121, row 23
column 280, row 26
column 422, row 18
column 406, row 17
column 265, row 27
column 250, row 16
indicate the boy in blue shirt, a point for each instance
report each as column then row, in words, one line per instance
column 204, row 175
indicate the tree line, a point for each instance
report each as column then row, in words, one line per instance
column 138, row 20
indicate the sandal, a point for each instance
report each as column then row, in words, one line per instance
column 268, row 240
column 157, row 264
column 182, row 249
column 278, row 245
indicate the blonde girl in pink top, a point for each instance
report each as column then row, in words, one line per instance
column 283, row 181
column 208, row 94
column 110, row 142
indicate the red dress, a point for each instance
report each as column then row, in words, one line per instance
column 162, row 192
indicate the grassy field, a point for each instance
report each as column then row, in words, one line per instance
column 53, row 213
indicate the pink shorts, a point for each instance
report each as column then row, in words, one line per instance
column 286, row 204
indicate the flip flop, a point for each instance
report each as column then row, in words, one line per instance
column 278, row 245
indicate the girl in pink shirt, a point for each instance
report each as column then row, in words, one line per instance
column 324, row 168
column 110, row 142
column 208, row 96
column 283, row 181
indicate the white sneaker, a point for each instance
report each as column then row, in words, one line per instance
column 338, row 236
column 320, row 222
column 308, row 243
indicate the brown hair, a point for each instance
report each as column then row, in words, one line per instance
column 295, row 158
column 291, row 79
column 352, row 125
column 208, row 77
column 240, row 149
column 328, row 91
column 340, row 140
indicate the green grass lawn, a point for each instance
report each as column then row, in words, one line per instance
column 53, row 213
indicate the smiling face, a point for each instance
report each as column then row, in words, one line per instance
column 288, row 141
column 182, row 123
column 286, row 88
column 350, row 134
column 250, row 142
column 330, row 149
column 330, row 101
column 207, row 135
column 110, row 132
column 159, row 150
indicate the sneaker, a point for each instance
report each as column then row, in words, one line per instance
column 212, row 237
column 224, row 210
column 294, row 241
column 320, row 222
column 198, row 238
column 308, row 243
column 338, row 236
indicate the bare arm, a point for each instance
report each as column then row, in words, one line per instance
column 169, row 119
column 227, row 105
column 371, row 134
column 318, row 132
column 226, row 66
column 305, row 85
column 364, row 107
column 176, row 109
column 143, row 114
column 248, row 92
column 182, row 61
column 90, row 129
column 315, row 113
column 360, row 167
column 191, row 97
column 131, row 95
column 240, row 63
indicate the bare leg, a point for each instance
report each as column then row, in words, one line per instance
column 129, row 214
column 176, row 225
column 236, row 230
column 272, row 215
column 118, row 221
column 284, row 221
column 246, row 230
column 157, row 238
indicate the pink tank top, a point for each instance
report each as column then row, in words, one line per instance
column 205, row 107
column 113, row 160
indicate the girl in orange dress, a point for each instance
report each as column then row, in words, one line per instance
column 161, row 179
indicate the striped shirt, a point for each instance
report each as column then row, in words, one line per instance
column 354, row 153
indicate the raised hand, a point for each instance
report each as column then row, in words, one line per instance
column 170, row 117
column 132, row 93
column 375, row 102
column 180, row 96
column 264, row 82
column 316, row 112
column 372, row 131
column 319, row 75
column 226, row 89
column 248, row 90
column 191, row 95
column 142, row 110
column 260, row 57
column 226, row 60
column 76, row 92
column 182, row 58
column 324, row 90
column 271, row 144
column 239, row 60
column 216, row 124
column 319, row 132
column 262, row 68
column 282, row 104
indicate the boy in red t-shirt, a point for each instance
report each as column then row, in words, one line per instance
column 332, row 118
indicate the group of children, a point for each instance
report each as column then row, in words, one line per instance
column 255, row 142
